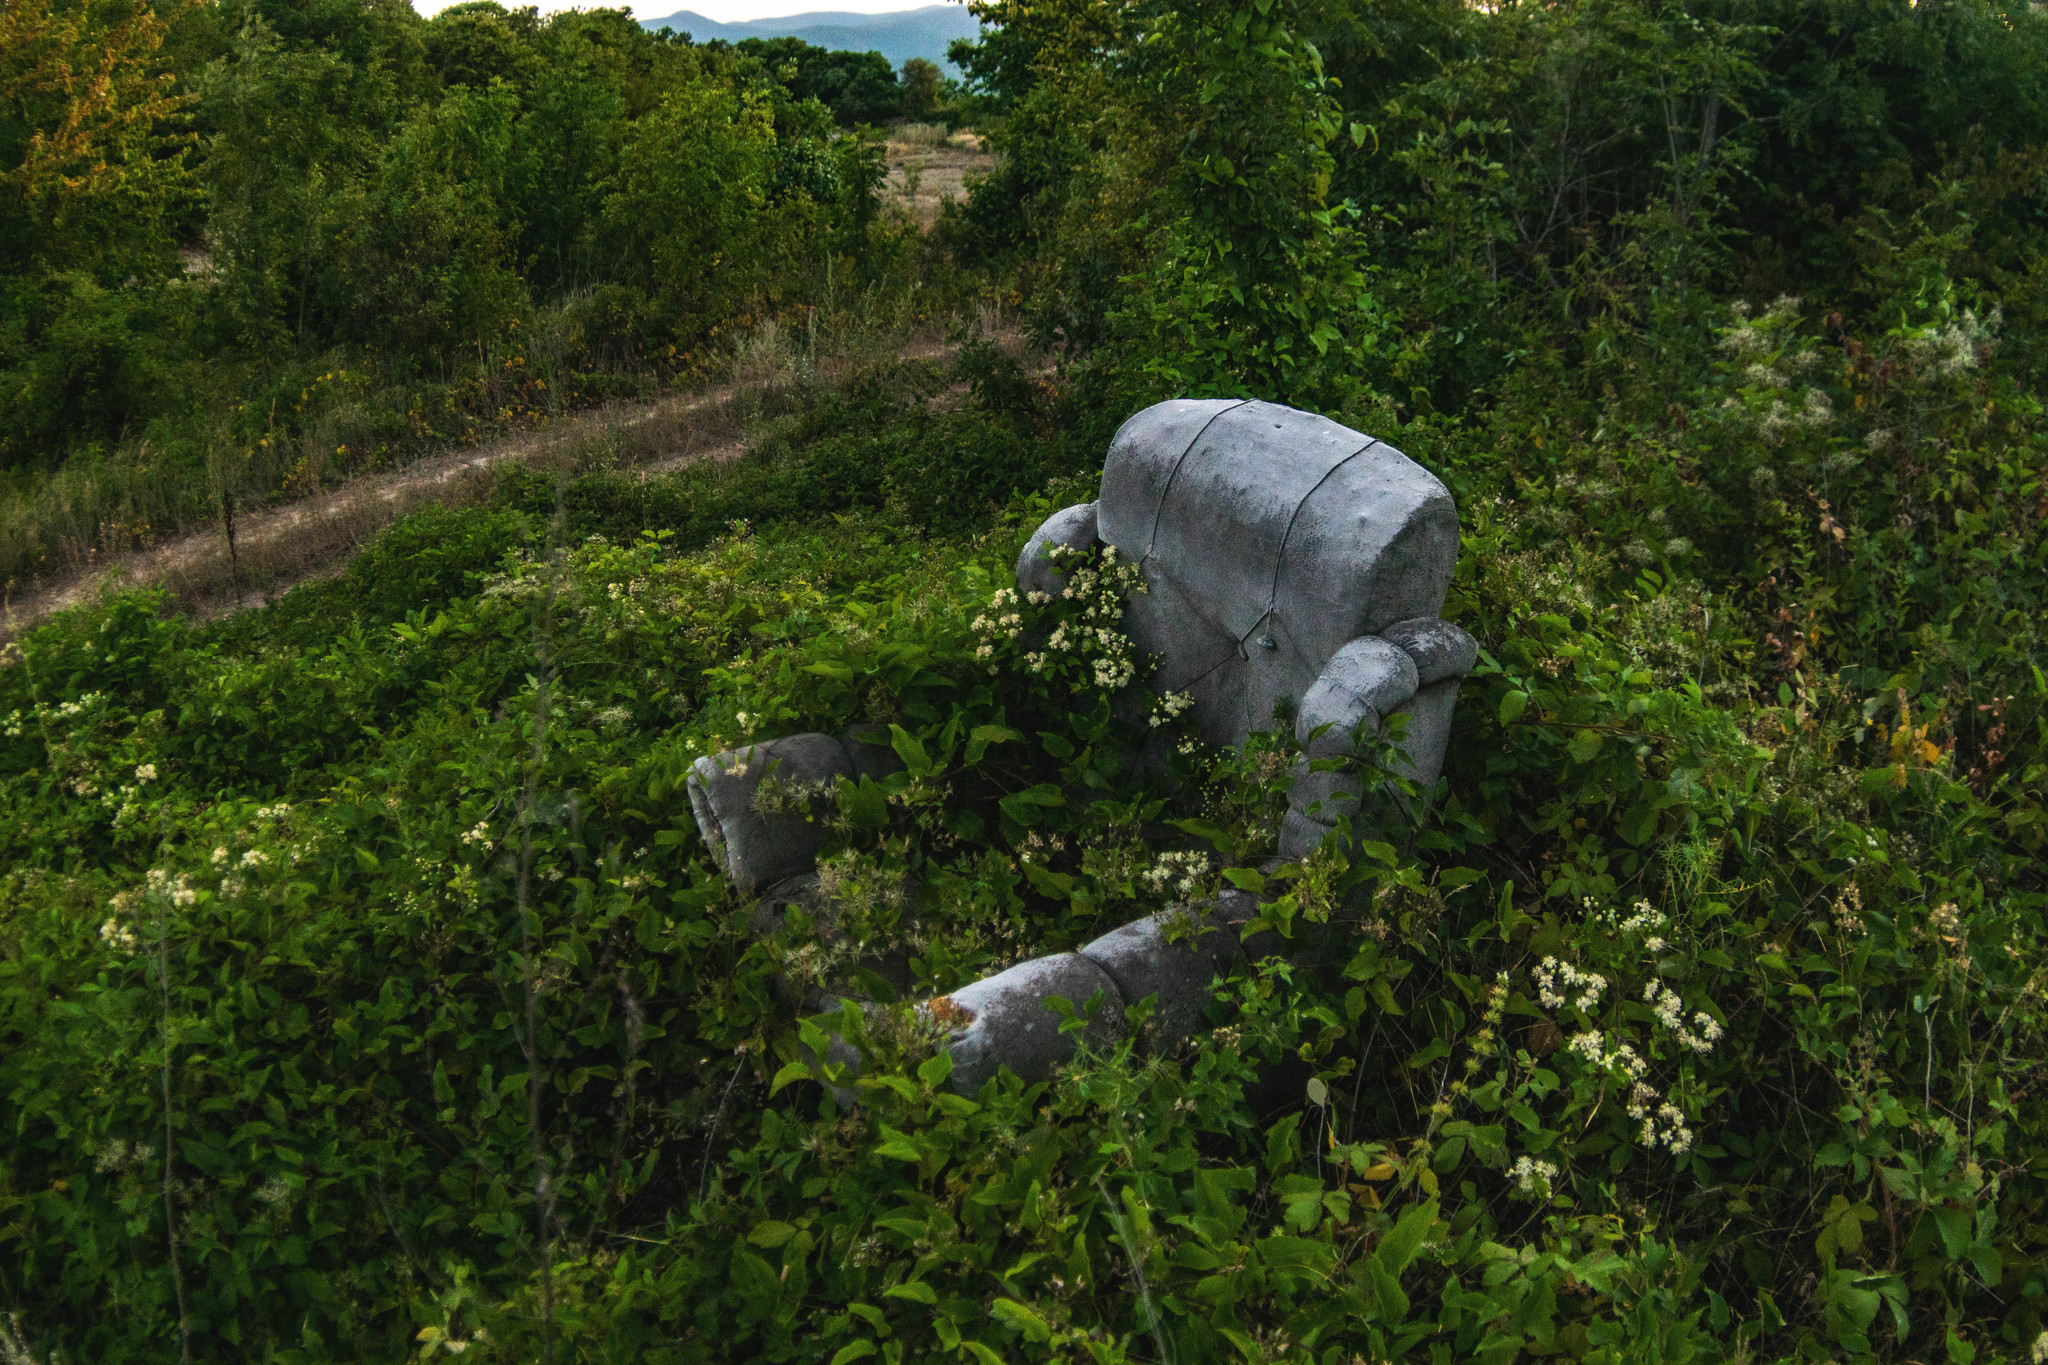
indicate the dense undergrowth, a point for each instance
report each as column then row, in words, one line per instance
column 366, row 992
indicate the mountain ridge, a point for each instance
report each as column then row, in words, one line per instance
column 899, row 35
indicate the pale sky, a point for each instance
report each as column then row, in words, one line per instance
column 724, row 11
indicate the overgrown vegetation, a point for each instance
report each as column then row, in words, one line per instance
column 256, row 248
column 366, row 992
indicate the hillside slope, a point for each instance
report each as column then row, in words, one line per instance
column 911, row 33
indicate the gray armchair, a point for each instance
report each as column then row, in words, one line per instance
column 1294, row 570
column 1293, row 567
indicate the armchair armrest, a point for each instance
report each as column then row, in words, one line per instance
column 1071, row 527
column 758, row 807
column 1412, row 666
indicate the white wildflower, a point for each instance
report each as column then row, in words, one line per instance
column 1555, row 978
column 1533, row 1176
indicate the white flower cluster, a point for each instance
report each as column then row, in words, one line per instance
column 1948, row 351
column 1532, row 1176
column 276, row 812
column 1670, row 1012
column 119, row 1155
column 1592, row 1045
column 1555, row 978
column 1002, row 621
column 1663, row 1125
column 1167, row 707
column 118, row 935
column 2040, row 1351
column 1181, row 872
column 178, row 888
column 145, row 772
column 1038, row 848
column 254, row 857
column 479, row 835
column 1849, row 912
column 1643, row 918
column 1099, row 592
column 45, row 712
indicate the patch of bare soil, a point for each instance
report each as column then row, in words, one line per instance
column 927, row 168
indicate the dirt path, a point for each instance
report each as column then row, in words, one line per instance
column 278, row 547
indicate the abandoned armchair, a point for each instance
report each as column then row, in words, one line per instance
column 1294, row 568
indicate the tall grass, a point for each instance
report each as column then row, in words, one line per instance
column 268, row 533
column 580, row 394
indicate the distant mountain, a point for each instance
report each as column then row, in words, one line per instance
column 907, row 33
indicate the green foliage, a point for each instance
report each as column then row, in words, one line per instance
column 921, row 88
column 364, row 990
column 858, row 87
column 1257, row 285
column 354, row 234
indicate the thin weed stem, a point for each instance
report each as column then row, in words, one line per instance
column 1123, row 1232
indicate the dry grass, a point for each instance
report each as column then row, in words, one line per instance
column 773, row 371
column 919, row 135
column 932, row 167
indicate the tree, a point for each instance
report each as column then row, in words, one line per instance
column 858, row 87
column 89, row 152
column 920, row 88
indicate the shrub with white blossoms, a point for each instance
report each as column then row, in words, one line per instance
column 1002, row 621
column 1086, row 619
column 1168, row 707
column 1705, row 1030
column 178, row 888
column 1554, row 979
column 1533, row 1176
column 1180, row 873
column 1611, row 1056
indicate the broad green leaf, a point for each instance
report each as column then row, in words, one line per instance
column 1245, row 879
column 1405, row 1238
column 1024, row 1319
column 911, row 750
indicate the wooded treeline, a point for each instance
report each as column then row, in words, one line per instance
column 211, row 208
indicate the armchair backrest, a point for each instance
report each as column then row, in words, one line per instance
column 1269, row 539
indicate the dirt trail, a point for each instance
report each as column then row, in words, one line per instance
column 281, row 546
